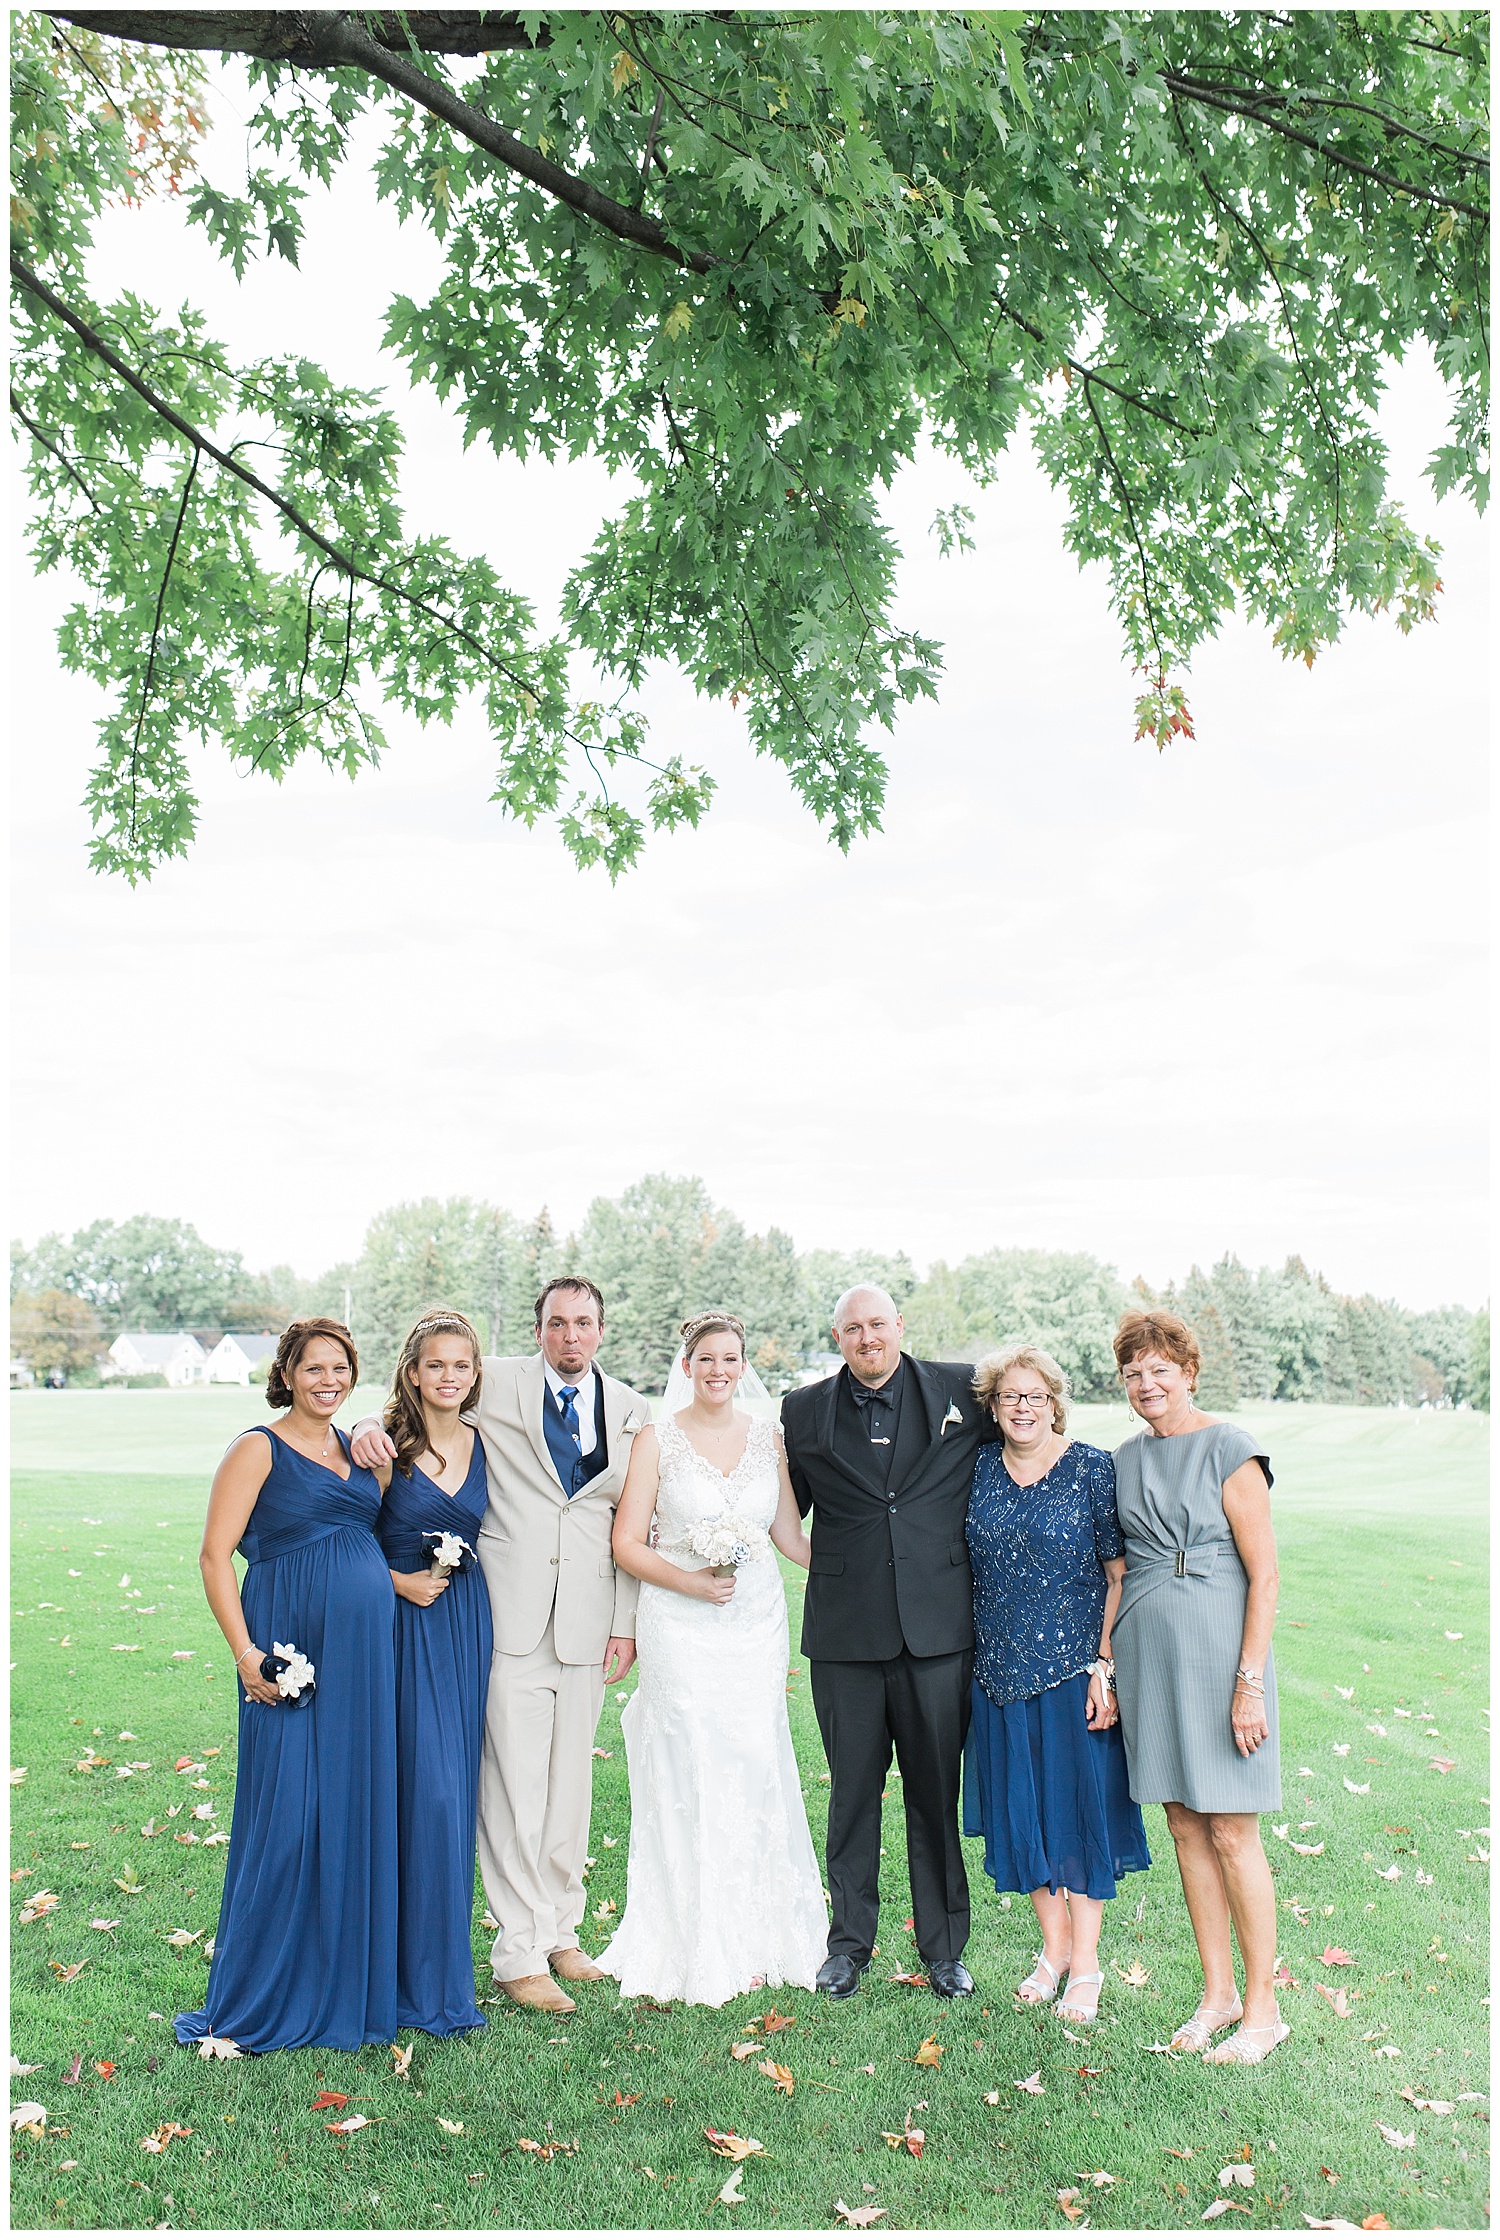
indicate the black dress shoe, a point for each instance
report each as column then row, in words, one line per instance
column 950, row 1979
column 839, row 1975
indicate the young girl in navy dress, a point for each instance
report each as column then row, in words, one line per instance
column 306, row 1938
column 443, row 1643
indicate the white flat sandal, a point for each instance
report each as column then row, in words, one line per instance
column 1250, row 2044
column 1196, row 2035
column 1068, row 2009
column 1040, row 1987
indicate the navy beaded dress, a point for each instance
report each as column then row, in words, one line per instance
column 305, row 1949
column 1050, row 1797
column 442, row 1679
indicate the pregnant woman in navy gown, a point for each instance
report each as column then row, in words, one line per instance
column 306, row 1940
column 443, row 1644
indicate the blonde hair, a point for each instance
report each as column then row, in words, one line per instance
column 990, row 1375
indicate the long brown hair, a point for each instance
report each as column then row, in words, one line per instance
column 404, row 1419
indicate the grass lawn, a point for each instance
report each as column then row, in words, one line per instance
column 1381, row 1640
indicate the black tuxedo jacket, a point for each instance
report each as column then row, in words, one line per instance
column 890, row 1568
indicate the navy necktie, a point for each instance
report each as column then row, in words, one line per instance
column 566, row 1395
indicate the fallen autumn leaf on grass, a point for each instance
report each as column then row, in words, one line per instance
column 545, row 2149
column 403, row 2056
column 349, row 2123
column 779, row 2074
column 329, row 2100
column 729, row 2192
column 770, row 2022
column 161, row 2138
column 1334, row 1956
column 218, row 2049
column 1033, row 2083
column 1430, row 2107
column 1395, row 2138
column 731, row 2145
column 1134, row 1975
column 929, row 2054
column 28, row 2115
column 743, row 2051
column 1071, row 2204
column 858, row 2218
column 912, row 2140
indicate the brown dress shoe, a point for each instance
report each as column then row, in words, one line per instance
column 537, row 1991
column 575, row 1966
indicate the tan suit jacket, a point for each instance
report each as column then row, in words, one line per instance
column 544, row 1555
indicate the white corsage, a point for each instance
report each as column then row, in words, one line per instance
column 448, row 1553
column 954, row 1415
column 294, row 1674
column 726, row 1541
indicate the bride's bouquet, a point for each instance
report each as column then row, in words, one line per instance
column 726, row 1541
column 447, row 1553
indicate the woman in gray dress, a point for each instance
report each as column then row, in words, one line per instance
column 1193, row 1671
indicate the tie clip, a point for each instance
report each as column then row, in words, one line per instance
column 880, row 1442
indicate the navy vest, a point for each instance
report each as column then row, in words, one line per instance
column 574, row 1469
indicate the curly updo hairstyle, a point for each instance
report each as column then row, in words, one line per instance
column 709, row 1325
column 293, row 1343
column 403, row 1416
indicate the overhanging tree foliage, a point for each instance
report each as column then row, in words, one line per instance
column 747, row 259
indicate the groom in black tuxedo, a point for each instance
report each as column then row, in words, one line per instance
column 883, row 1454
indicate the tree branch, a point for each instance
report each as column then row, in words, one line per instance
column 58, row 454
column 161, row 603
column 1120, row 485
column 1187, row 90
column 1263, row 96
column 1087, row 373
column 336, row 41
column 195, row 436
column 275, row 34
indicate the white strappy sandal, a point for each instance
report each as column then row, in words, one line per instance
column 1068, row 2008
column 1250, row 2044
column 1040, row 1987
column 1196, row 2035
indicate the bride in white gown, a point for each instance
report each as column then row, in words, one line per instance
column 723, row 1894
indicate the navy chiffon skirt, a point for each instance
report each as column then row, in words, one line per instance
column 1050, row 1798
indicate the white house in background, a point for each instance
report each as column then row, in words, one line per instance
column 238, row 1352
column 173, row 1354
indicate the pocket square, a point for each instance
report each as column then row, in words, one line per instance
column 954, row 1415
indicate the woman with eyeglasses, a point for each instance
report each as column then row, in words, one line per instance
column 1045, row 1782
column 1197, row 1681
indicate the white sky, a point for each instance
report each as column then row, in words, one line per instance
column 1077, row 995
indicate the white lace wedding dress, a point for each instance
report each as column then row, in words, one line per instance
column 723, row 1894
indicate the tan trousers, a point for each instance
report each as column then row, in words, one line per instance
column 535, row 1786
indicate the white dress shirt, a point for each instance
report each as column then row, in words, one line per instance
column 583, row 1403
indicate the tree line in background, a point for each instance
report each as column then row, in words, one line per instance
column 663, row 1249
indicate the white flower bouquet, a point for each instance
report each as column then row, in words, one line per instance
column 448, row 1553
column 294, row 1674
column 726, row 1541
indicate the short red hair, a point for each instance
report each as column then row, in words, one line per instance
column 1153, row 1330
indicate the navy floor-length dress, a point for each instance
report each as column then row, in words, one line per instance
column 1050, row 1795
column 442, row 1679
column 305, row 1949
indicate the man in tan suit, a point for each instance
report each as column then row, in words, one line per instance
column 557, row 1435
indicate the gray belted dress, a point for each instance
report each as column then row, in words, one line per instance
column 1181, row 1618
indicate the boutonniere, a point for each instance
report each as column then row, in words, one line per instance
column 954, row 1415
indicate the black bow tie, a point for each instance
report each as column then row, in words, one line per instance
column 864, row 1397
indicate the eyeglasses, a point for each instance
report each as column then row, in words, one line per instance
column 1024, row 1399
